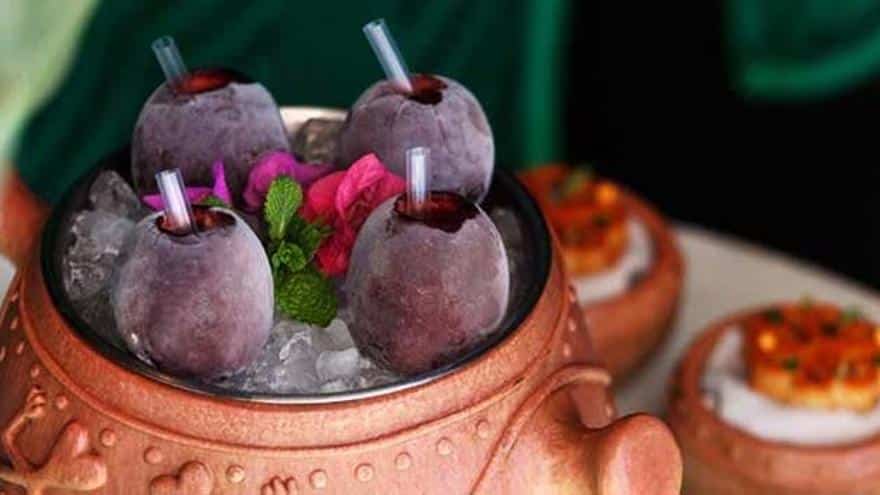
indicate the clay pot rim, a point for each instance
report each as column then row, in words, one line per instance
column 658, row 292
column 529, row 215
column 666, row 255
column 688, row 384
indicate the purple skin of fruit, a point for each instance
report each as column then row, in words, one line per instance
column 221, row 119
column 442, row 115
column 423, row 294
column 195, row 305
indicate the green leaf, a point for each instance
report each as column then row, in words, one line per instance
column 307, row 236
column 288, row 258
column 306, row 296
column 282, row 201
column 211, row 200
column 850, row 315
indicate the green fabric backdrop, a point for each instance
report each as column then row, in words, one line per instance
column 510, row 54
column 790, row 50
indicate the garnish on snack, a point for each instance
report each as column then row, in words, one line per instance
column 586, row 212
column 301, row 292
column 814, row 355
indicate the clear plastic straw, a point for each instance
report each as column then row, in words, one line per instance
column 418, row 178
column 170, row 60
column 178, row 212
column 388, row 54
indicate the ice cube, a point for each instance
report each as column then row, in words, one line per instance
column 317, row 141
column 96, row 311
column 334, row 365
column 98, row 237
column 335, row 337
column 110, row 193
column 286, row 364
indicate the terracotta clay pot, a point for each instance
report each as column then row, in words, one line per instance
column 529, row 412
column 723, row 460
column 628, row 327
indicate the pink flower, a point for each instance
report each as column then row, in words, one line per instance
column 344, row 200
column 196, row 194
column 271, row 165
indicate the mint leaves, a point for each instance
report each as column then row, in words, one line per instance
column 301, row 292
column 282, row 202
column 307, row 296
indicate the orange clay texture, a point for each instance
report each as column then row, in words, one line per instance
column 586, row 212
column 814, row 355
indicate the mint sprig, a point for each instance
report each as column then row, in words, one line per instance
column 211, row 200
column 282, row 202
column 307, row 296
column 301, row 291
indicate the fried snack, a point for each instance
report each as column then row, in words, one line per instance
column 814, row 355
column 585, row 212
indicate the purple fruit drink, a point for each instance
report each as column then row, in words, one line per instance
column 198, row 117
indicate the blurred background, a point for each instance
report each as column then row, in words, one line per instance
column 749, row 117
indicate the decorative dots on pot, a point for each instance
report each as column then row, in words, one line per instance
column 572, row 325
column 153, row 456
column 318, row 479
column 19, row 349
column 108, row 437
column 403, row 461
column 14, row 324
column 444, row 447
column 61, row 402
column 235, row 474
column 364, row 472
column 566, row 350
column 14, row 298
column 35, row 371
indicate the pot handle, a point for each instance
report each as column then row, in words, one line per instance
column 635, row 455
column 22, row 215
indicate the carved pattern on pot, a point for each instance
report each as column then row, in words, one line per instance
column 71, row 464
column 193, row 478
column 568, row 375
column 278, row 486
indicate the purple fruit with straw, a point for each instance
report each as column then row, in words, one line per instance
column 198, row 117
column 193, row 294
column 406, row 111
column 428, row 279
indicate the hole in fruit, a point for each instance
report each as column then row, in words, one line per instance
column 204, row 80
column 446, row 211
column 427, row 89
column 206, row 219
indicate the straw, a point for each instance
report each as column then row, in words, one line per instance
column 170, row 60
column 178, row 212
column 418, row 178
column 388, row 54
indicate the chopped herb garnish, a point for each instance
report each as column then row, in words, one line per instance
column 790, row 363
column 807, row 302
column 572, row 183
column 830, row 329
column 850, row 315
column 601, row 220
column 773, row 316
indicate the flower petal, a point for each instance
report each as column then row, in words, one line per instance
column 271, row 165
column 220, row 189
column 194, row 194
